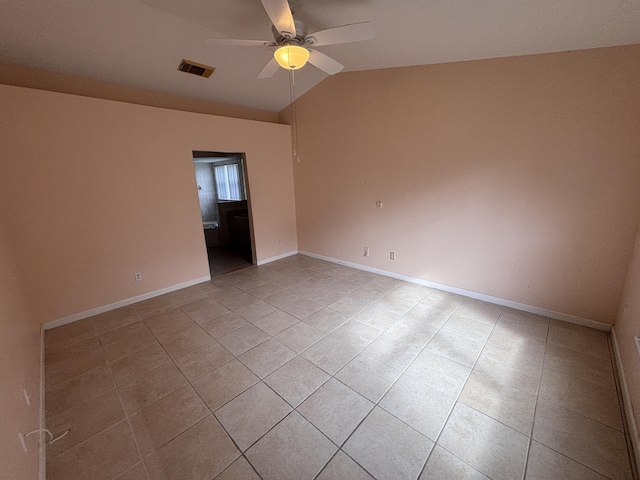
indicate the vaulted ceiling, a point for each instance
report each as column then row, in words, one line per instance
column 140, row 43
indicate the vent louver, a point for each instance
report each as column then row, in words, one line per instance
column 195, row 68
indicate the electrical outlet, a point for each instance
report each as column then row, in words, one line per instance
column 22, row 442
column 138, row 276
column 26, row 396
column 366, row 251
column 392, row 255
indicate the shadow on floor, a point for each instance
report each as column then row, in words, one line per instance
column 227, row 259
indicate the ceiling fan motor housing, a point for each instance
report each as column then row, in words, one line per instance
column 298, row 39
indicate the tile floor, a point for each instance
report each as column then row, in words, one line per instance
column 304, row 369
column 227, row 259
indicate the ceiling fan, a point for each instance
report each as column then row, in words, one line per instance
column 295, row 43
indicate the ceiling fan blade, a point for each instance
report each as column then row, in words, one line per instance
column 235, row 42
column 324, row 62
column 269, row 69
column 280, row 15
column 354, row 32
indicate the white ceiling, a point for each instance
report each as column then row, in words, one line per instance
column 140, row 43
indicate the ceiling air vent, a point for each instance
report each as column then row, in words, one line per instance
column 195, row 68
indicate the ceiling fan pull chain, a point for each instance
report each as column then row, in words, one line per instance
column 294, row 119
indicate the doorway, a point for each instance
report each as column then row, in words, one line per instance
column 225, row 210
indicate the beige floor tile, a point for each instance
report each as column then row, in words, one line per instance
column 79, row 389
column 243, row 339
column 524, row 324
column 223, row 325
column 202, row 360
column 479, row 310
column 336, row 410
column 342, row 467
column 255, row 311
column 276, row 322
column 267, row 357
column 418, row 405
column 599, row 447
column 168, row 324
column 71, row 367
column 236, row 302
column 388, row 448
column 361, row 278
column 151, row 387
column 299, row 336
column 392, row 352
column 518, row 371
column 264, row 291
column 348, row 306
column 579, row 338
column 384, row 284
column 153, row 306
column 292, row 449
column 366, row 295
column 186, row 295
column 283, row 297
column 395, row 303
column 69, row 351
column 501, row 401
column 158, row 423
column 104, row 456
column 579, row 365
column 545, row 463
column 456, row 348
column 252, row 414
column 296, row 380
column 377, row 316
column 84, row 421
column 444, row 465
column 593, row 401
column 325, row 296
column 469, row 328
column 137, row 472
column 516, row 343
column 138, row 363
column 487, row 445
column 439, row 372
column 437, row 340
column 114, row 319
column 239, row 470
column 125, row 341
column 326, row 320
column 302, row 308
column 407, row 335
column 186, row 341
column 442, row 301
column 70, row 346
column 224, row 383
column 69, row 331
column 369, row 377
column 202, row 452
column 331, row 354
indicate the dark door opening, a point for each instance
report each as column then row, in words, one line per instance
column 225, row 210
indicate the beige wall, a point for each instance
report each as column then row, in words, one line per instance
column 627, row 326
column 19, row 369
column 515, row 177
column 92, row 191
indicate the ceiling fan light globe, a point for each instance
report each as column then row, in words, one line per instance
column 291, row 57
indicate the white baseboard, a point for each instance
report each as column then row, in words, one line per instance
column 277, row 257
column 467, row 293
column 122, row 303
column 626, row 401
